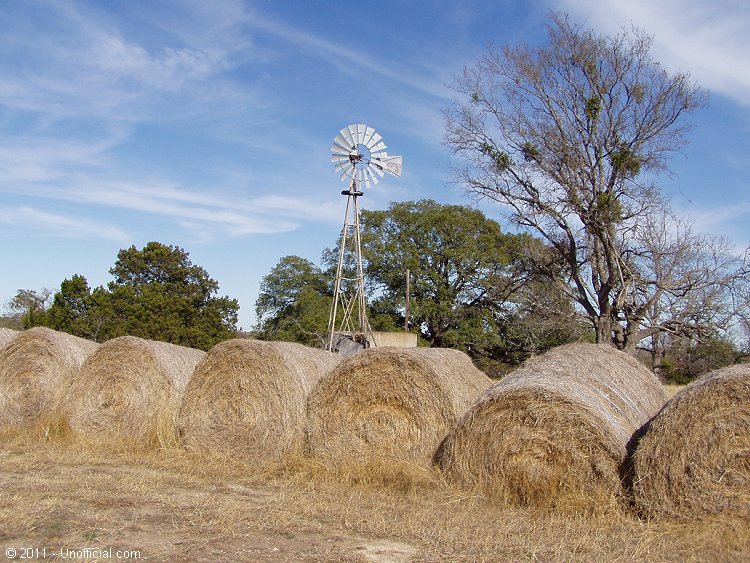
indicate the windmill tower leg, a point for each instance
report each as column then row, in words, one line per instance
column 356, row 329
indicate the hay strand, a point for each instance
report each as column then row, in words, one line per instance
column 247, row 398
column 555, row 432
column 694, row 457
column 33, row 368
column 130, row 387
column 391, row 403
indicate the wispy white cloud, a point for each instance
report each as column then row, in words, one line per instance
column 29, row 157
column 226, row 215
column 708, row 39
column 22, row 220
column 81, row 64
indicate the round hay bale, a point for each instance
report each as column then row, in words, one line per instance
column 130, row 387
column 391, row 403
column 6, row 335
column 33, row 368
column 555, row 432
column 247, row 398
column 694, row 457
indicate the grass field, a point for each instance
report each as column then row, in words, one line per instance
column 61, row 497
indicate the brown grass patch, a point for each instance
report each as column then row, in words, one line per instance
column 555, row 432
column 33, row 368
column 247, row 398
column 130, row 387
column 694, row 458
column 179, row 506
column 6, row 335
column 390, row 403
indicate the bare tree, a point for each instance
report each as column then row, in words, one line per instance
column 28, row 305
column 569, row 138
column 681, row 282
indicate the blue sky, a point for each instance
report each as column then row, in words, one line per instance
column 208, row 125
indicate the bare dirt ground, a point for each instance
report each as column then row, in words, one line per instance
column 64, row 500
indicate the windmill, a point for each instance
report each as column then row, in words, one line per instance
column 359, row 156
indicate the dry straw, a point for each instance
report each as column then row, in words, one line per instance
column 130, row 387
column 247, row 398
column 33, row 368
column 391, row 403
column 6, row 335
column 694, row 458
column 555, row 432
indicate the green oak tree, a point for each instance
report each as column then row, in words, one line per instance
column 466, row 281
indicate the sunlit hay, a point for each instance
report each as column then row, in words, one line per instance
column 555, row 433
column 391, row 403
column 399, row 476
column 130, row 387
column 6, row 335
column 33, row 368
column 247, row 398
column 694, row 458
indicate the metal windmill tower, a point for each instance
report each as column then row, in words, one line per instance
column 359, row 156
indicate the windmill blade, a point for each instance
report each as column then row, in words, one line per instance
column 377, row 167
column 361, row 133
column 372, row 177
column 348, row 136
column 379, row 147
column 342, row 142
column 339, row 151
column 353, row 134
column 341, row 166
column 347, row 172
column 372, row 141
column 369, row 131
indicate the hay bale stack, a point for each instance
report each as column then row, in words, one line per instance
column 130, row 387
column 391, row 403
column 247, row 398
column 694, row 458
column 33, row 368
column 555, row 432
column 6, row 335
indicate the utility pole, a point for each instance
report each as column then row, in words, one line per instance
column 406, row 313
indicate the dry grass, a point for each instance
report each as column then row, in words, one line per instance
column 6, row 335
column 174, row 505
column 555, row 432
column 247, row 398
column 33, row 368
column 130, row 386
column 391, row 403
column 694, row 458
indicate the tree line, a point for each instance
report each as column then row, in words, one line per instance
column 472, row 287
